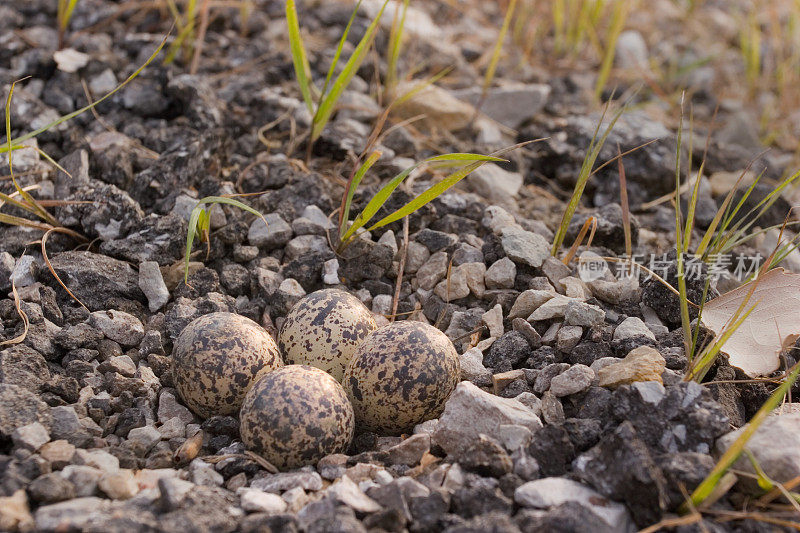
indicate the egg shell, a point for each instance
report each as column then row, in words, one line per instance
column 295, row 416
column 324, row 329
column 400, row 376
column 217, row 357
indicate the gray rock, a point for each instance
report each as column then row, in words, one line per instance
column 554, row 491
column 632, row 327
column 501, row 274
column 347, row 492
column 70, row 515
column 583, row 314
column 494, row 183
column 24, row 273
column 20, row 407
column 84, row 478
column 305, row 244
column 418, row 254
column 433, row 271
column 496, row 218
column 23, row 366
column 274, row 234
column 146, row 436
column 568, row 338
column 330, row 272
column 202, row 473
column 470, row 411
column 168, row 408
column 152, row 284
column 287, row 480
column 575, row 379
column 528, row 302
column 67, row 426
column 173, row 490
column 455, row 287
column 99, row 281
column 472, row 368
column 253, row 500
column 524, row 247
column 775, row 446
column 30, row 437
column 631, row 51
column 7, row 263
column 552, row 409
column 511, row 104
column 119, row 326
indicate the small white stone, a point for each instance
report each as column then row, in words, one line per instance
column 330, row 272
column 257, row 501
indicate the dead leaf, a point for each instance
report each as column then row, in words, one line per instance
column 771, row 327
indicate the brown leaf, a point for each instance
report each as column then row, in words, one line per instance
column 772, row 326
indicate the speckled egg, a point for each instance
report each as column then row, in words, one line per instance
column 295, row 416
column 401, row 375
column 216, row 359
column 324, row 329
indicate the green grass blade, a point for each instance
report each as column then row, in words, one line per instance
column 439, row 188
column 583, row 177
column 328, row 102
column 377, row 201
column 498, row 47
column 686, row 320
column 618, row 18
column 737, row 448
column 359, row 175
column 69, row 116
column 299, row 58
column 194, row 217
column 338, row 53
column 395, row 43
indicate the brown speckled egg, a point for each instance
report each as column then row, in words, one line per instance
column 296, row 415
column 216, row 359
column 401, row 375
column 324, row 329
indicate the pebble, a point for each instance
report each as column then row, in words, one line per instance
column 151, row 281
column 524, row 247
column 58, row 453
column 382, row 304
column 632, row 327
column 433, row 271
column 119, row 485
column 475, row 274
column 15, row 515
column 554, row 491
column 501, row 274
column 274, row 234
column 286, row 480
column 775, row 446
column 30, row 437
column 472, row 368
column 496, row 218
column 493, row 319
column 348, row 493
column 495, row 183
column 555, row 270
column 202, row 473
column 147, row 436
column 568, row 338
column 119, row 326
column 552, row 308
column 470, row 411
column 169, row 408
column 552, row 410
column 582, row 314
column 258, row 501
column 575, row 379
column 24, row 273
column 453, row 288
column 330, row 272
column 528, row 301
column 641, row 364
column 416, row 256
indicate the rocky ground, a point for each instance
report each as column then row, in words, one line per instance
column 542, row 434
